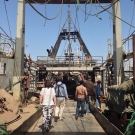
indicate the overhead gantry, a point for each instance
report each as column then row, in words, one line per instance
column 20, row 36
column 67, row 1
column 62, row 37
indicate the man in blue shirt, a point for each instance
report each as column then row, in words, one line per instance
column 61, row 95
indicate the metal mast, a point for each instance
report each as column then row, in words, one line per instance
column 69, row 43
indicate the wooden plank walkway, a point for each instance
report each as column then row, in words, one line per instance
column 70, row 126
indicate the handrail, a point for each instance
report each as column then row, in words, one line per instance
column 72, row 61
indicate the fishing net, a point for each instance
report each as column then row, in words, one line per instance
column 130, row 130
column 3, row 129
column 121, row 98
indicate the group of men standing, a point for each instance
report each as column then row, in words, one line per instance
column 85, row 92
column 54, row 96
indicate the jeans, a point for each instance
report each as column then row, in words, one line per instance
column 97, row 103
column 80, row 103
column 87, row 105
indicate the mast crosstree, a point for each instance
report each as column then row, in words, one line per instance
column 64, row 34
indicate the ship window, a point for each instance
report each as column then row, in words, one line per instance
column 2, row 68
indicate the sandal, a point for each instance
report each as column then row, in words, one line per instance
column 47, row 129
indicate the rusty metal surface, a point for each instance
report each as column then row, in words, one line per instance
column 9, row 110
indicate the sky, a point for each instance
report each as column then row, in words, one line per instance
column 41, row 34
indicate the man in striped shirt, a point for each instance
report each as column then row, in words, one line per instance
column 61, row 95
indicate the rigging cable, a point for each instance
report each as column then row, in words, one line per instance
column 77, row 18
column 96, row 11
column 85, row 10
column 73, row 23
column 100, row 11
column 8, row 37
column 8, row 44
column 126, row 39
column 60, row 22
column 63, row 48
column 78, row 3
column 64, row 23
column 43, row 15
column 131, row 23
column 115, row 15
column 121, row 20
column 8, row 21
column 110, row 19
column 104, row 5
column 89, row 12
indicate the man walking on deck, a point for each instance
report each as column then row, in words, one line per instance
column 91, row 91
column 61, row 95
column 80, row 94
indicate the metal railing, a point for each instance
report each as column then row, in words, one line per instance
column 70, row 61
column 6, row 45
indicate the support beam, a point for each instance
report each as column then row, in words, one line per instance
column 117, row 43
column 66, row 1
column 19, row 52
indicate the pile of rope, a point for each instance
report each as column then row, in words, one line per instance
column 130, row 130
column 3, row 105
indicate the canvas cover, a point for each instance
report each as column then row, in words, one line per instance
column 121, row 98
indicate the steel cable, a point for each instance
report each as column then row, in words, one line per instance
column 42, row 14
column 89, row 11
column 131, row 23
column 7, row 35
column 60, row 22
column 114, row 14
column 100, row 11
column 76, row 19
column 8, row 20
column 45, row 14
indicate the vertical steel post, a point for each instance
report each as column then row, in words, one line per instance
column 103, row 81
column 18, row 91
column 117, row 43
column 134, row 56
